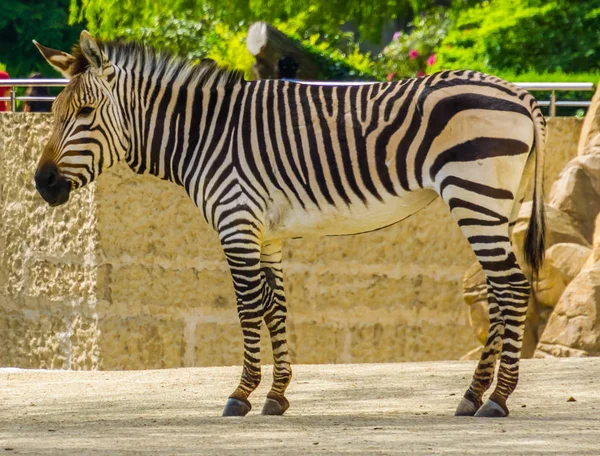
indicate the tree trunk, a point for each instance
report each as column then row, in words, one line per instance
column 278, row 56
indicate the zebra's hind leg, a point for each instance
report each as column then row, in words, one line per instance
column 275, row 313
column 512, row 291
column 508, row 294
column 242, row 250
column 484, row 373
column 483, row 211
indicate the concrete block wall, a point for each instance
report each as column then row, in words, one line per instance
column 128, row 276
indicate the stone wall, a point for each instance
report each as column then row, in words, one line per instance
column 48, row 272
column 127, row 276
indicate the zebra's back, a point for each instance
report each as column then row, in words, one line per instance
column 350, row 159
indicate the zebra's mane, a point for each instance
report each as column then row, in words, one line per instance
column 132, row 55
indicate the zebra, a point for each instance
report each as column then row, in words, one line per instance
column 269, row 160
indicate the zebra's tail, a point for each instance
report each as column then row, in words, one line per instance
column 534, row 247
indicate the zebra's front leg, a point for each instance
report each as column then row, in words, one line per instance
column 275, row 313
column 243, row 256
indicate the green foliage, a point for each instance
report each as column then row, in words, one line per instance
column 556, row 76
column 228, row 48
column 178, row 34
column 199, row 32
column 215, row 29
column 337, row 54
column 108, row 19
column 412, row 52
column 188, row 28
column 46, row 21
column 105, row 17
column 523, row 35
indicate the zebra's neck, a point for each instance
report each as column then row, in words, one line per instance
column 177, row 127
column 178, row 112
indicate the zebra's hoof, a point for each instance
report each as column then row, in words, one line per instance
column 275, row 406
column 236, row 407
column 492, row 410
column 466, row 408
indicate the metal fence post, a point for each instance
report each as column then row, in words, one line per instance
column 13, row 99
column 553, row 104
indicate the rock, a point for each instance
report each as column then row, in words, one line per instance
column 574, row 327
column 589, row 139
column 595, row 254
column 568, row 258
column 549, row 285
column 577, row 193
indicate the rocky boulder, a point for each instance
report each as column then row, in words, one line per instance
column 574, row 327
column 594, row 256
column 589, row 140
column 568, row 259
column 577, row 193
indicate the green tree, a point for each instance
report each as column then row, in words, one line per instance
column 46, row 21
column 523, row 35
column 109, row 17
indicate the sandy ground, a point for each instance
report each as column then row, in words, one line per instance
column 358, row 409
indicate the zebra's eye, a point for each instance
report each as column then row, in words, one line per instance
column 86, row 111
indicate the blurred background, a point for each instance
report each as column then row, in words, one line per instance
column 518, row 40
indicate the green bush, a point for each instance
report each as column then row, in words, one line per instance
column 524, row 35
column 201, row 34
column 412, row 53
column 179, row 34
column 337, row 55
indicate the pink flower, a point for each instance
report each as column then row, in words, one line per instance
column 396, row 36
column 431, row 60
column 390, row 76
column 413, row 54
column 420, row 74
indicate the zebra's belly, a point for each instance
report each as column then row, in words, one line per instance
column 287, row 221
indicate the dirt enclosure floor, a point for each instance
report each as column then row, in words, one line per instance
column 356, row 409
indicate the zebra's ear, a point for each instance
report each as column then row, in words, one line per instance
column 61, row 61
column 92, row 51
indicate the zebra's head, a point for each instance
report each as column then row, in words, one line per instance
column 90, row 129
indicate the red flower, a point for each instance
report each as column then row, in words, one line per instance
column 420, row 74
column 431, row 60
column 390, row 76
column 413, row 54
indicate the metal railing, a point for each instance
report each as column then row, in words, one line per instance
column 554, row 87
column 551, row 87
column 14, row 83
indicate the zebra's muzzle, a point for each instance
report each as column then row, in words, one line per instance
column 51, row 186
